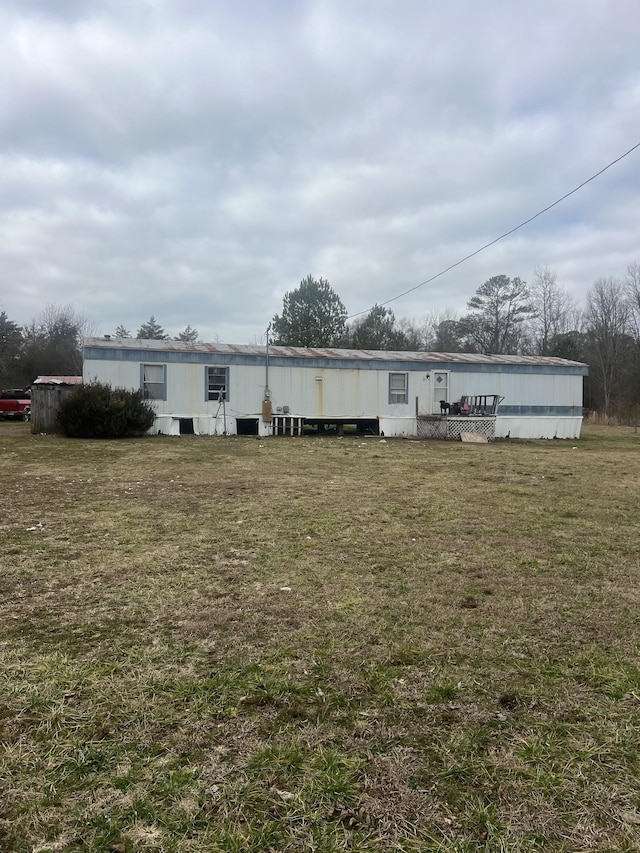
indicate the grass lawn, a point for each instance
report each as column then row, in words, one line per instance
column 319, row 644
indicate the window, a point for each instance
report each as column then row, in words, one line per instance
column 217, row 383
column 398, row 388
column 154, row 381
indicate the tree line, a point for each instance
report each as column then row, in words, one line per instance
column 153, row 331
column 505, row 315
column 51, row 344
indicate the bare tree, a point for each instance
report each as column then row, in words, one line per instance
column 52, row 342
column 632, row 285
column 441, row 331
column 413, row 334
column 607, row 325
column 555, row 311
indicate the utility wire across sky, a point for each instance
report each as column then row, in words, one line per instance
column 502, row 236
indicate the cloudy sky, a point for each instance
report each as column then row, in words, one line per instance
column 195, row 159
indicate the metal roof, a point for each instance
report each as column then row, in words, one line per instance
column 143, row 344
column 58, row 380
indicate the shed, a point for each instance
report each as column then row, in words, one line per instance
column 47, row 392
column 217, row 389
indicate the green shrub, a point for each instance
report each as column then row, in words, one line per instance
column 97, row 410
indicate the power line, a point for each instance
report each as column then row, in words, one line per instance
column 502, row 236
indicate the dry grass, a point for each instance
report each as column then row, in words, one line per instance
column 319, row 644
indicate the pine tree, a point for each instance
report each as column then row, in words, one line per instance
column 312, row 316
column 152, row 330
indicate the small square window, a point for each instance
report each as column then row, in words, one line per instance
column 217, row 383
column 398, row 388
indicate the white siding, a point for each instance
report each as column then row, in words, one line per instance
column 347, row 392
column 309, row 392
column 520, row 389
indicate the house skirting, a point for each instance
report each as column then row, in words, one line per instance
column 538, row 426
column 435, row 427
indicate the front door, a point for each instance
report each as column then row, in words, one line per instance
column 440, row 380
column 423, row 389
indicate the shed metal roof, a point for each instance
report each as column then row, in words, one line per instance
column 58, row 380
column 143, row 344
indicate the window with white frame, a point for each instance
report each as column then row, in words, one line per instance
column 154, row 381
column 398, row 388
column 217, row 383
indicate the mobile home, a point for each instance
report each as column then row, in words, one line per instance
column 216, row 389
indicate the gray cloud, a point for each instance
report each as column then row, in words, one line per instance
column 196, row 160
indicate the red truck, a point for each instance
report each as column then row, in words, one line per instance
column 15, row 403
